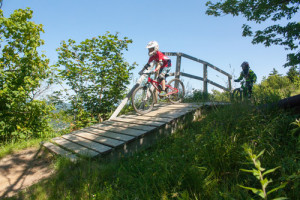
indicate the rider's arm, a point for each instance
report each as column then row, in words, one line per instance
column 253, row 77
column 158, row 66
column 240, row 78
column 145, row 67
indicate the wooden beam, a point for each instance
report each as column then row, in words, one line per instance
column 178, row 65
column 191, row 76
column 205, row 78
column 206, row 63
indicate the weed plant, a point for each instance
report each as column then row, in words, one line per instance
column 201, row 161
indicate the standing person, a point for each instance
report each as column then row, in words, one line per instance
column 163, row 64
column 249, row 75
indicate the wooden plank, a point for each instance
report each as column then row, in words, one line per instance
column 180, row 106
column 127, row 131
column 133, row 126
column 75, row 147
column 175, row 110
column 170, row 115
column 116, row 136
column 134, row 121
column 185, row 105
column 143, row 117
column 60, row 151
column 87, row 143
column 86, row 139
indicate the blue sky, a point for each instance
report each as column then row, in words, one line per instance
column 178, row 26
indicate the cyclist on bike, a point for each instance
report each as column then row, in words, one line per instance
column 163, row 64
column 249, row 75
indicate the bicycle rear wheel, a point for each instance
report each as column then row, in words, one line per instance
column 174, row 84
column 142, row 100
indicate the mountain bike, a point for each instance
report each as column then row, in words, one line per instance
column 143, row 98
column 239, row 94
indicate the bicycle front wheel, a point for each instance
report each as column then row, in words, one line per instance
column 236, row 95
column 142, row 100
column 176, row 88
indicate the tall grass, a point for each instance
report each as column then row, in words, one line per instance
column 201, row 161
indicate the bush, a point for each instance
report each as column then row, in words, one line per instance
column 22, row 69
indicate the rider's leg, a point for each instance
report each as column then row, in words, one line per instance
column 162, row 77
column 163, row 84
column 249, row 89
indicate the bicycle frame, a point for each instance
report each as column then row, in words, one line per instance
column 156, row 86
column 243, row 89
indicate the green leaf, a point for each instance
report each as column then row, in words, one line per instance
column 254, row 190
column 261, row 153
column 277, row 188
column 247, row 170
column 270, row 171
column 265, row 182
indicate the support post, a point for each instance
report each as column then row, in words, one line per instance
column 178, row 65
column 229, row 83
column 205, row 78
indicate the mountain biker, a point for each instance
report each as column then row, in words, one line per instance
column 163, row 64
column 249, row 75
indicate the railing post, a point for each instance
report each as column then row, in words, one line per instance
column 178, row 64
column 229, row 83
column 205, row 78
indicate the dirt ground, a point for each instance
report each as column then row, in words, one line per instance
column 23, row 169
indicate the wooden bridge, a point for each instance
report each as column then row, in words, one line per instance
column 126, row 134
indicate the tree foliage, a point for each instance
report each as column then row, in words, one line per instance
column 294, row 75
column 22, row 68
column 260, row 11
column 96, row 73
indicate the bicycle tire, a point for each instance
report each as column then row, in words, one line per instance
column 140, row 102
column 236, row 95
column 176, row 97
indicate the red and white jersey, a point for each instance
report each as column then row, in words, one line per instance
column 160, row 57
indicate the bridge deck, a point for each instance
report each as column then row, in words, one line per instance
column 119, row 133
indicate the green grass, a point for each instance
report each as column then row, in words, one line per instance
column 201, row 161
column 12, row 147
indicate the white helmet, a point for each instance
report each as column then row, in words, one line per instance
column 152, row 47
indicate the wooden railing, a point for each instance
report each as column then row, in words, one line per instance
column 205, row 80
column 177, row 74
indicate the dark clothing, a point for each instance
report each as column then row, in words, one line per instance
column 250, row 78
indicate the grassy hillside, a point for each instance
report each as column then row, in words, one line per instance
column 201, row 161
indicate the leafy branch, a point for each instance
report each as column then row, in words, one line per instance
column 260, row 174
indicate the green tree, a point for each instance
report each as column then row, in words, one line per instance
column 274, row 72
column 22, row 68
column 293, row 74
column 260, row 11
column 97, row 75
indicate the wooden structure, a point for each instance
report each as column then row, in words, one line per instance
column 124, row 135
column 177, row 74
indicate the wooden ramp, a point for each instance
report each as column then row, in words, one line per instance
column 125, row 134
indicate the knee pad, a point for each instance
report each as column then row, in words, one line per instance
column 161, row 77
